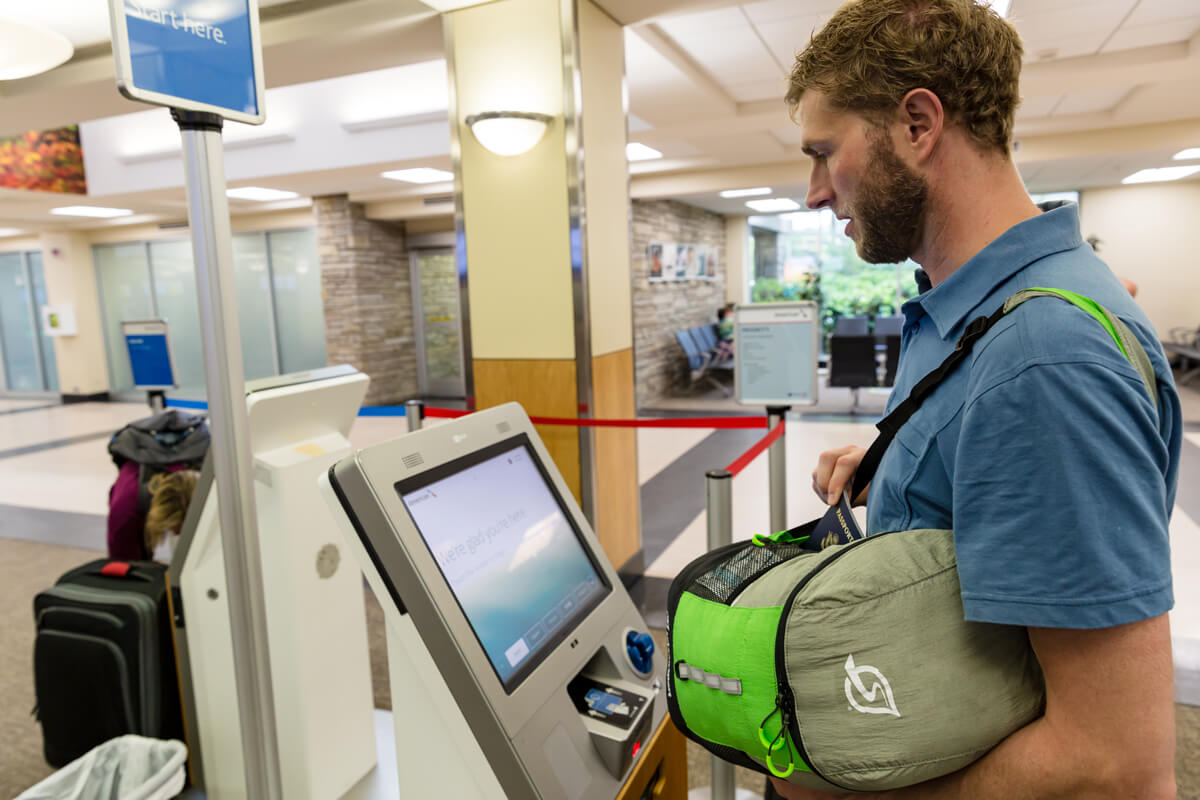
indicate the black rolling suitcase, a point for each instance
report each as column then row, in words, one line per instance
column 103, row 659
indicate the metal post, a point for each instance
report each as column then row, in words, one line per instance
column 158, row 401
column 212, row 247
column 719, row 495
column 777, row 470
column 414, row 414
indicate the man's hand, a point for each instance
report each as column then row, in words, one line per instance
column 834, row 474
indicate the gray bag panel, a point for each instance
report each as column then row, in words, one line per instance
column 877, row 653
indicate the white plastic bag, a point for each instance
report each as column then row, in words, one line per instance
column 126, row 768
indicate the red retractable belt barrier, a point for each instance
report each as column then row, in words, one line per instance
column 722, row 423
column 755, row 451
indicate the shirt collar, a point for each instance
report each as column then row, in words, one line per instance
column 948, row 303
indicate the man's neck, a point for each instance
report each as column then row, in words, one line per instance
column 978, row 200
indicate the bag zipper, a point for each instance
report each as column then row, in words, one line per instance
column 790, row 718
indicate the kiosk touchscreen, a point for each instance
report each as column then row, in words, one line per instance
column 316, row 623
column 519, row 665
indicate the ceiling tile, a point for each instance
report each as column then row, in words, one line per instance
column 1089, row 102
column 703, row 22
column 1043, row 22
column 733, row 55
column 1129, row 37
column 788, row 37
column 1052, row 48
column 1035, row 107
column 749, row 91
column 776, row 10
column 789, row 134
column 1149, row 12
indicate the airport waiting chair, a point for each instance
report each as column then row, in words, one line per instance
column 851, row 326
column 708, row 335
column 889, row 326
column 703, row 363
column 888, row 331
column 852, row 363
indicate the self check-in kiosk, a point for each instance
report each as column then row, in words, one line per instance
column 316, row 623
column 520, row 667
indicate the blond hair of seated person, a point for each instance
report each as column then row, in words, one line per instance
column 170, row 495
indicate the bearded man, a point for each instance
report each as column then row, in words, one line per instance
column 1043, row 452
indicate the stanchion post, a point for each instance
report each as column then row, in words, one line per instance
column 719, row 495
column 414, row 414
column 233, row 465
column 777, row 470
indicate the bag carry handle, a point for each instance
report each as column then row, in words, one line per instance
column 890, row 425
column 121, row 569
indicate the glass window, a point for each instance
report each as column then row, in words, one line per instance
column 49, row 363
column 298, row 305
column 255, row 325
column 175, row 297
column 21, row 369
column 124, row 284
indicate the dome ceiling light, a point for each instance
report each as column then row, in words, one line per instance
column 27, row 49
column 508, row 133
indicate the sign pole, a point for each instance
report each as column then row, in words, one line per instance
column 777, row 470
column 212, row 247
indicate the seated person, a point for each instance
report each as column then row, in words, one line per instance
column 725, row 331
column 170, row 495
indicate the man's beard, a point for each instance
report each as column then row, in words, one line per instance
column 890, row 209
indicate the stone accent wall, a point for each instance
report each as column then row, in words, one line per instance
column 661, row 309
column 366, row 289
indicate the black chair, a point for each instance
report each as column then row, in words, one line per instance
column 851, row 326
column 889, row 326
column 852, row 363
column 888, row 332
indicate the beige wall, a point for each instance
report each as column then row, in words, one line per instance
column 71, row 279
column 1150, row 235
column 737, row 257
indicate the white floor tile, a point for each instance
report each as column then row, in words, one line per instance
column 66, row 421
column 658, row 447
column 73, row 478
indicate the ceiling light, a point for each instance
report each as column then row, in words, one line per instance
column 419, row 175
column 100, row 212
column 746, row 192
column 259, row 193
column 1161, row 174
column 1187, row 155
column 452, row 5
column 999, row 6
column 640, row 152
column 508, row 133
column 774, row 204
column 30, row 49
column 9, row 231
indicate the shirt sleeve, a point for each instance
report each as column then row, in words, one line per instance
column 1061, row 500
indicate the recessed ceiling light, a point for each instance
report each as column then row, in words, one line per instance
column 774, row 204
column 1160, row 174
column 9, row 231
column 1187, row 155
column 746, row 192
column 259, row 193
column 635, row 151
column 99, row 212
column 419, row 175
column 999, row 6
column 30, row 49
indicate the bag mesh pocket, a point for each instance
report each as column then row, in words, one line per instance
column 725, row 581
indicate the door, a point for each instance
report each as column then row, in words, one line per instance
column 437, row 320
column 27, row 367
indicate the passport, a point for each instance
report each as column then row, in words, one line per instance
column 838, row 526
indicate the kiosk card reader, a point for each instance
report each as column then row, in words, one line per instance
column 520, row 667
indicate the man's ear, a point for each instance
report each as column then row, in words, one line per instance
column 922, row 117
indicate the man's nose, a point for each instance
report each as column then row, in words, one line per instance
column 819, row 193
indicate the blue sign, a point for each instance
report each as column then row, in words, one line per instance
column 149, row 355
column 199, row 55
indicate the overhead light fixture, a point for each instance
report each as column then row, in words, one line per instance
column 999, row 6
column 9, row 231
column 452, row 5
column 508, row 133
column 418, row 175
column 774, row 204
column 1161, row 174
column 635, row 151
column 259, row 193
column 100, row 212
column 1188, row 154
column 757, row 190
column 27, row 50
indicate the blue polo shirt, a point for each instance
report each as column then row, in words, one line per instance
column 1043, row 452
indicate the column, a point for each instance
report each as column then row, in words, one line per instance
column 544, row 239
column 71, row 280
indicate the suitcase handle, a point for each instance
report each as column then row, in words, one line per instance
column 119, row 569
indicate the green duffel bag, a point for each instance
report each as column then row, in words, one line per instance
column 843, row 662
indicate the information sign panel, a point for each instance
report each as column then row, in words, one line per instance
column 149, row 354
column 775, row 347
column 198, row 55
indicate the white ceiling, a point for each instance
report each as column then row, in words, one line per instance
column 1109, row 86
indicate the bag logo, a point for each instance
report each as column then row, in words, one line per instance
column 878, row 699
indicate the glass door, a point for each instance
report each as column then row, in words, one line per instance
column 28, row 355
column 438, row 323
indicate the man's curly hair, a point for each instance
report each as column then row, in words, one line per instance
column 873, row 52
